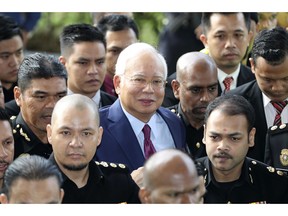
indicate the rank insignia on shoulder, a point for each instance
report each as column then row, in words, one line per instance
column 103, row 163
column 12, row 117
column 122, row 166
column 271, row 169
column 113, row 165
column 282, row 126
column 173, row 110
column 273, row 127
column 24, row 135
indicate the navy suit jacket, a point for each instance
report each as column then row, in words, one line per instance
column 119, row 143
column 253, row 94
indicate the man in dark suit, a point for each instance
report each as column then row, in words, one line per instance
column 11, row 54
column 120, row 31
column 83, row 50
column 139, row 82
column 269, row 63
column 226, row 38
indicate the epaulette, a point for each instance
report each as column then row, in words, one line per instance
column 173, row 110
column 278, row 129
column 20, row 131
column 13, row 117
column 113, row 165
column 269, row 168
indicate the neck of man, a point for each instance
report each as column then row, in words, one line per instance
column 79, row 177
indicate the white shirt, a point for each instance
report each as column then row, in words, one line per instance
column 270, row 111
column 222, row 75
column 160, row 134
column 96, row 97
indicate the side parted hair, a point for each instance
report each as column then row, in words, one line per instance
column 232, row 105
column 31, row 167
column 206, row 23
column 117, row 22
column 77, row 33
column 272, row 45
column 38, row 66
column 9, row 28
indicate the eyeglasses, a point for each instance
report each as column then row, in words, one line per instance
column 141, row 82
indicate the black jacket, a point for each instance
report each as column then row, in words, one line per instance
column 258, row 183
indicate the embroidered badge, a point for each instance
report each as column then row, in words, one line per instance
column 284, row 157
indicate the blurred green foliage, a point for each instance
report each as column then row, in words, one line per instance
column 45, row 36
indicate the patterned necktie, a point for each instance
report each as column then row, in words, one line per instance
column 148, row 145
column 227, row 83
column 279, row 106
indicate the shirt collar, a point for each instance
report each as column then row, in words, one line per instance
column 96, row 98
column 222, row 75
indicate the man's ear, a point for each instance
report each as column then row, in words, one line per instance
column 204, row 40
column 252, row 137
column 144, row 196
column 204, row 135
column 62, row 59
column 176, row 88
column 17, row 95
column 49, row 131
column 252, row 63
column 116, row 82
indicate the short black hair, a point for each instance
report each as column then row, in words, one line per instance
column 9, row 28
column 272, row 45
column 117, row 22
column 37, row 66
column 4, row 116
column 31, row 167
column 232, row 105
column 206, row 23
column 77, row 33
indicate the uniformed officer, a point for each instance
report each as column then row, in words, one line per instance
column 195, row 86
column 276, row 151
column 74, row 134
column 41, row 83
column 231, row 176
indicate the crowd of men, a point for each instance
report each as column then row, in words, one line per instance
column 107, row 123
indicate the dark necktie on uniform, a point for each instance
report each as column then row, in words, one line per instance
column 279, row 106
column 227, row 83
column 148, row 145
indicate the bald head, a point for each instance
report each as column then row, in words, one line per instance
column 166, row 163
column 170, row 176
column 75, row 101
column 189, row 61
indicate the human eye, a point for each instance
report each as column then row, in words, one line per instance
column 214, row 137
column 40, row 97
column 82, row 63
column 239, row 35
column 138, row 80
column 86, row 133
column 100, row 62
column 4, row 56
column 19, row 53
column 158, row 82
column 235, row 139
column 65, row 132
column 212, row 88
column 220, row 36
column 194, row 90
column 8, row 142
